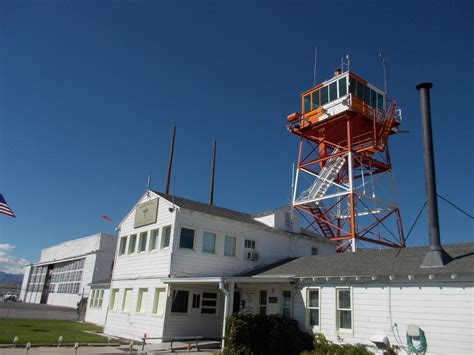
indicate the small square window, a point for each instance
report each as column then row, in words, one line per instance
column 250, row 244
column 186, row 240
column 209, row 242
column 314, row 251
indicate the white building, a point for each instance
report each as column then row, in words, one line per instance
column 64, row 271
column 174, row 256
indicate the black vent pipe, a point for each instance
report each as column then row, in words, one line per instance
column 437, row 256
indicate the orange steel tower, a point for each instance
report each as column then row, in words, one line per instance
column 344, row 186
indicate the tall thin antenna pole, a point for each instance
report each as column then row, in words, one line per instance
column 315, row 64
column 170, row 161
column 213, row 167
column 384, row 63
column 149, row 180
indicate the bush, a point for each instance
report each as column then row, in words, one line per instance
column 324, row 347
column 257, row 335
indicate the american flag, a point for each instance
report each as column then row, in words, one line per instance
column 4, row 208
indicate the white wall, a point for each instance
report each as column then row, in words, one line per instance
column 24, row 283
column 272, row 246
column 444, row 310
column 97, row 315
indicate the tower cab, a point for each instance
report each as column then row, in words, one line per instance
column 344, row 93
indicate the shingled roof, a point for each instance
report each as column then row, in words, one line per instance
column 396, row 262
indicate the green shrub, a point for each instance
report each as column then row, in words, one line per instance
column 257, row 335
column 324, row 347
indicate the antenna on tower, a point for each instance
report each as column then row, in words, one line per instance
column 148, row 185
column 345, row 62
column 315, row 64
column 384, row 64
column 170, row 161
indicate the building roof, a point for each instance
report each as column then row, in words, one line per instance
column 396, row 262
column 227, row 213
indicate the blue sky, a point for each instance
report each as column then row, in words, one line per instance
column 89, row 91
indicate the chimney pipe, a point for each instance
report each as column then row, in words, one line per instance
column 170, row 161
column 213, row 167
column 437, row 256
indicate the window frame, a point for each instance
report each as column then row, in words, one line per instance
column 202, row 306
column 351, row 310
column 194, row 238
column 159, row 293
column 163, row 236
column 140, row 307
column 130, row 237
column 124, row 239
column 253, row 244
column 141, row 236
column 236, row 239
column 282, row 291
column 154, row 238
column 308, row 309
column 113, row 301
column 124, row 299
column 215, row 242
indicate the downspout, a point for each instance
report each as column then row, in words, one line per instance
column 226, row 309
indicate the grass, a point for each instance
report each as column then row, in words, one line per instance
column 48, row 331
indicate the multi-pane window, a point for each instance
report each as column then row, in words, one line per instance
column 209, row 242
column 142, row 241
column 132, row 243
column 113, row 299
column 262, row 302
column 165, row 237
column 250, row 244
column 96, row 299
column 286, row 303
column 314, row 251
column 141, row 301
column 179, row 302
column 122, row 245
column 100, row 300
column 66, row 277
column 127, row 300
column 186, row 239
column 153, row 239
column 159, row 301
column 312, row 307
column 37, row 278
column 343, row 309
column 209, row 303
column 230, row 245
column 92, row 299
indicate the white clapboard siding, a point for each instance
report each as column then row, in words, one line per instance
column 272, row 246
column 444, row 310
column 97, row 315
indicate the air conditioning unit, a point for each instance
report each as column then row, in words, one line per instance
column 251, row 255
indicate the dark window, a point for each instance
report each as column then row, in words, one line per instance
column 315, row 99
column 360, row 90
column 142, row 241
column 366, row 94
column 380, row 101
column 352, row 86
column 209, row 303
column 342, row 87
column 187, row 238
column 196, row 301
column 180, row 301
column 324, row 95
column 165, row 238
column 123, row 243
column 373, row 98
column 307, row 103
column 132, row 243
column 333, row 91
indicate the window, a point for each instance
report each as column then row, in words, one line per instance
column 343, row 309
column 287, row 218
column 196, row 300
column 159, row 301
column 352, row 86
column 342, row 87
column 92, row 300
column 101, row 299
column 127, row 300
column 141, row 301
column 123, row 245
column 262, row 302
column 186, row 240
column 373, row 98
column 286, row 303
column 380, row 104
column 314, row 251
column 142, row 242
column 307, row 103
column 132, row 244
column 230, row 245
column 315, row 100
column 209, row 303
column 179, row 304
column 333, row 91
column 113, row 299
column 165, row 237
column 360, row 90
column 153, row 239
column 312, row 307
column 208, row 242
column 250, row 244
column 324, row 95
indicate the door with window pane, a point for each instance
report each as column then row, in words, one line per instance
column 262, row 302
